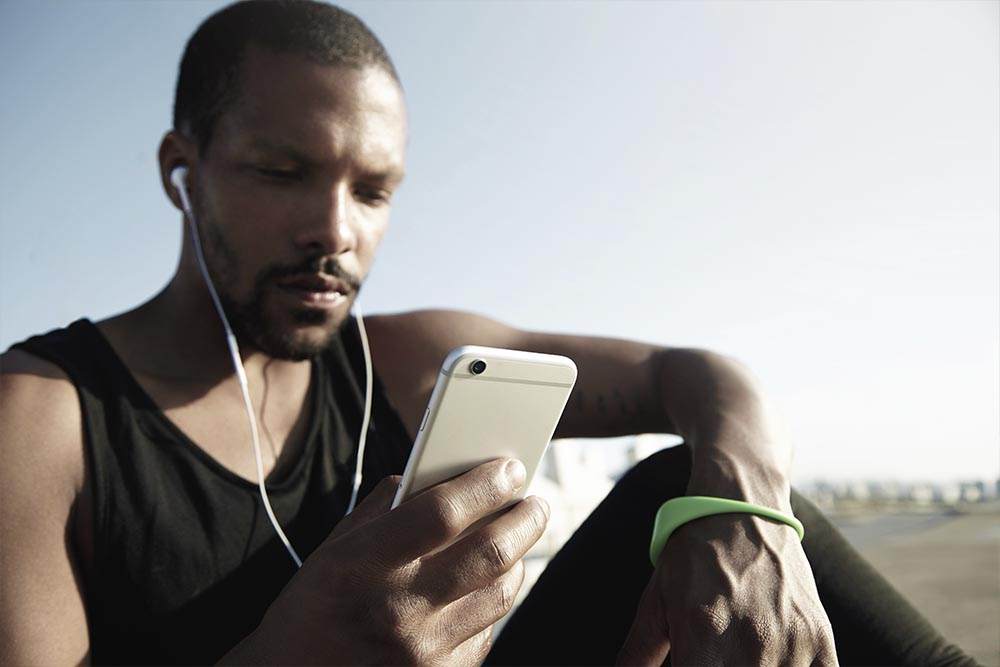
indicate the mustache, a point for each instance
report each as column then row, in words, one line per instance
column 311, row 266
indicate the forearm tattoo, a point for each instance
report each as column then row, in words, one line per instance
column 616, row 411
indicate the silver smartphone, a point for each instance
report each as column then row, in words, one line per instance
column 488, row 403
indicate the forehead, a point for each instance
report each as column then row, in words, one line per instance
column 326, row 112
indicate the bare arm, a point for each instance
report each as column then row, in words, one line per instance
column 624, row 387
column 615, row 392
column 42, row 617
column 711, row 400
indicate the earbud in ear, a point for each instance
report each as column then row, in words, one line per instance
column 178, row 175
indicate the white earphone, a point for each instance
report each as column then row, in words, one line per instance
column 177, row 178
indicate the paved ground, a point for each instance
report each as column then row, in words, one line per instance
column 947, row 566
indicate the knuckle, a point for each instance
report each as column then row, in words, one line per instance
column 709, row 619
column 447, row 514
column 497, row 553
column 499, row 489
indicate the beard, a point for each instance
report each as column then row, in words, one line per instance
column 294, row 334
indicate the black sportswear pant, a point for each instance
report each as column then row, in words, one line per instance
column 581, row 608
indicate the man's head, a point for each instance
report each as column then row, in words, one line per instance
column 291, row 120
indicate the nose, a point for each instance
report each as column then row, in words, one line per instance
column 329, row 228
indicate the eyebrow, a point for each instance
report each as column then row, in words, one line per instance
column 390, row 176
column 259, row 143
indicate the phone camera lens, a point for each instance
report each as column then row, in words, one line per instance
column 478, row 367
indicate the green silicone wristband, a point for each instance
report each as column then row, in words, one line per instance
column 675, row 513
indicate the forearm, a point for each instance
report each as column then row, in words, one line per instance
column 717, row 407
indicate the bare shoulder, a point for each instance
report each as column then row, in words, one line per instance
column 408, row 348
column 422, row 338
column 42, row 616
column 40, row 421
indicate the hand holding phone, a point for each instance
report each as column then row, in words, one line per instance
column 405, row 587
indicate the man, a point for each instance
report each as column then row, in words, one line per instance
column 132, row 531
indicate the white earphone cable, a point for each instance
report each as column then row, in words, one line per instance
column 368, row 409
column 245, row 390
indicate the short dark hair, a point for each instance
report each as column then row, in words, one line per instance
column 208, row 81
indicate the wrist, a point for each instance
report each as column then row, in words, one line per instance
column 754, row 480
column 678, row 512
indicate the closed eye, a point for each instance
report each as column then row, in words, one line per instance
column 372, row 196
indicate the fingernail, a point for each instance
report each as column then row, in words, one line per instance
column 515, row 472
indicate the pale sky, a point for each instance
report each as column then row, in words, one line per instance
column 810, row 187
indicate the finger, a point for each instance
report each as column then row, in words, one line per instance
column 372, row 506
column 474, row 650
column 480, row 609
column 479, row 558
column 648, row 640
column 437, row 516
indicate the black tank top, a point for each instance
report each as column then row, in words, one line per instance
column 185, row 559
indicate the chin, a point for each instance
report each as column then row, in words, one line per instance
column 299, row 341
column 294, row 334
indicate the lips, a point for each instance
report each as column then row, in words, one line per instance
column 315, row 284
column 316, row 291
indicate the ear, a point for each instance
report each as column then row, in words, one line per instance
column 175, row 150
